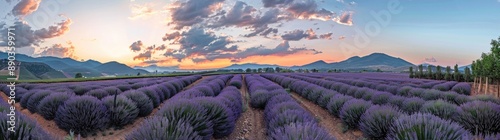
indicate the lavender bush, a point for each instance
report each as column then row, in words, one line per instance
column 479, row 117
column 336, row 103
column 161, row 128
column 82, row 114
column 49, row 105
column 351, row 112
column 122, row 111
column 425, row 127
column 375, row 122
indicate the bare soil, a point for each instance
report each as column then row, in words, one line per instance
column 250, row 125
column 493, row 90
column 110, row 134
column 329, row 122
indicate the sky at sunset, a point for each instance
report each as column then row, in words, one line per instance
column 199, row 34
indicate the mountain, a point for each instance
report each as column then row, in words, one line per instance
column 90, row 63
column 250, row 65
column 373, row 61
column 155, row 68
column 33, row 70
column 462, row 68
column 115, row 68
column 69, row 66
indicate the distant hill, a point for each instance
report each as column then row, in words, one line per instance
column 34, row 70
column 372, row 61
column 160, row 69
column 250, row 65
column 115, row 68
column 89, row 68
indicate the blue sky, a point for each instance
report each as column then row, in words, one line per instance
column 442, row 32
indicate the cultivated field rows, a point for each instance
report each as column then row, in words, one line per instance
column 252, row 106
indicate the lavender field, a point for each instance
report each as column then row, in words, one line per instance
column 275, row 106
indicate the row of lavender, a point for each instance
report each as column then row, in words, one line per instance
column 284, row 117
column 98, row 109
column 383, row 115
column 405, row 91
column 16, row 126
column 462, row 88
column 391, row 79
column 208, row 109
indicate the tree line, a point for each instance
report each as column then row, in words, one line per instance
column 487, row 69
column 441, row 73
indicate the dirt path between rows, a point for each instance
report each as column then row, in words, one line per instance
column 250, row 125
column 332, row 124
column 51, row 127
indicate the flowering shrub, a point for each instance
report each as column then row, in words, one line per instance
column 336, row 103
column 351, row 112
column 35, row 99
column 425, row 127
column 325, row 98
column 122, row 111
column 82, row 114
column 300, row 131
column 380, row 98
column 99, row 93
column 191, row 112
column 412, row 105
column 479, row 117
column 431, row 94
column 288, row 117
column 49, row 105
column 236, row 81
column 376, row 120
column 220, row 115
column 152, row 95
column 462, row 88
column 142, row 101
column 161, row 128
column 404, row 91
column 26, row 129
column 440, row 108
column 396, row 100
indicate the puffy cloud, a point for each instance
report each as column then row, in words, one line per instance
column 25, row 7
column 198, row 42
column 193, row 12
column 136, row 46
column 59, row 50
column 243, row 15
column 300, row 34
column 326, row 36
column 141, row 10
column 161, row 48
column 273, row 3
column 282, row 49
column 172, row 36
column 308, row 9
column 26, row 36
column 240, row 15
column 345, row 18
column 144, row 56
column 54, row 30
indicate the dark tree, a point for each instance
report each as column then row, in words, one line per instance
column 467, row 75
column 420, row 71
column 447, row 76
column 429, row 72
column 78, row 75
column 456, row 73
column 439, row 75
column 248, row 70
column 411, row 72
